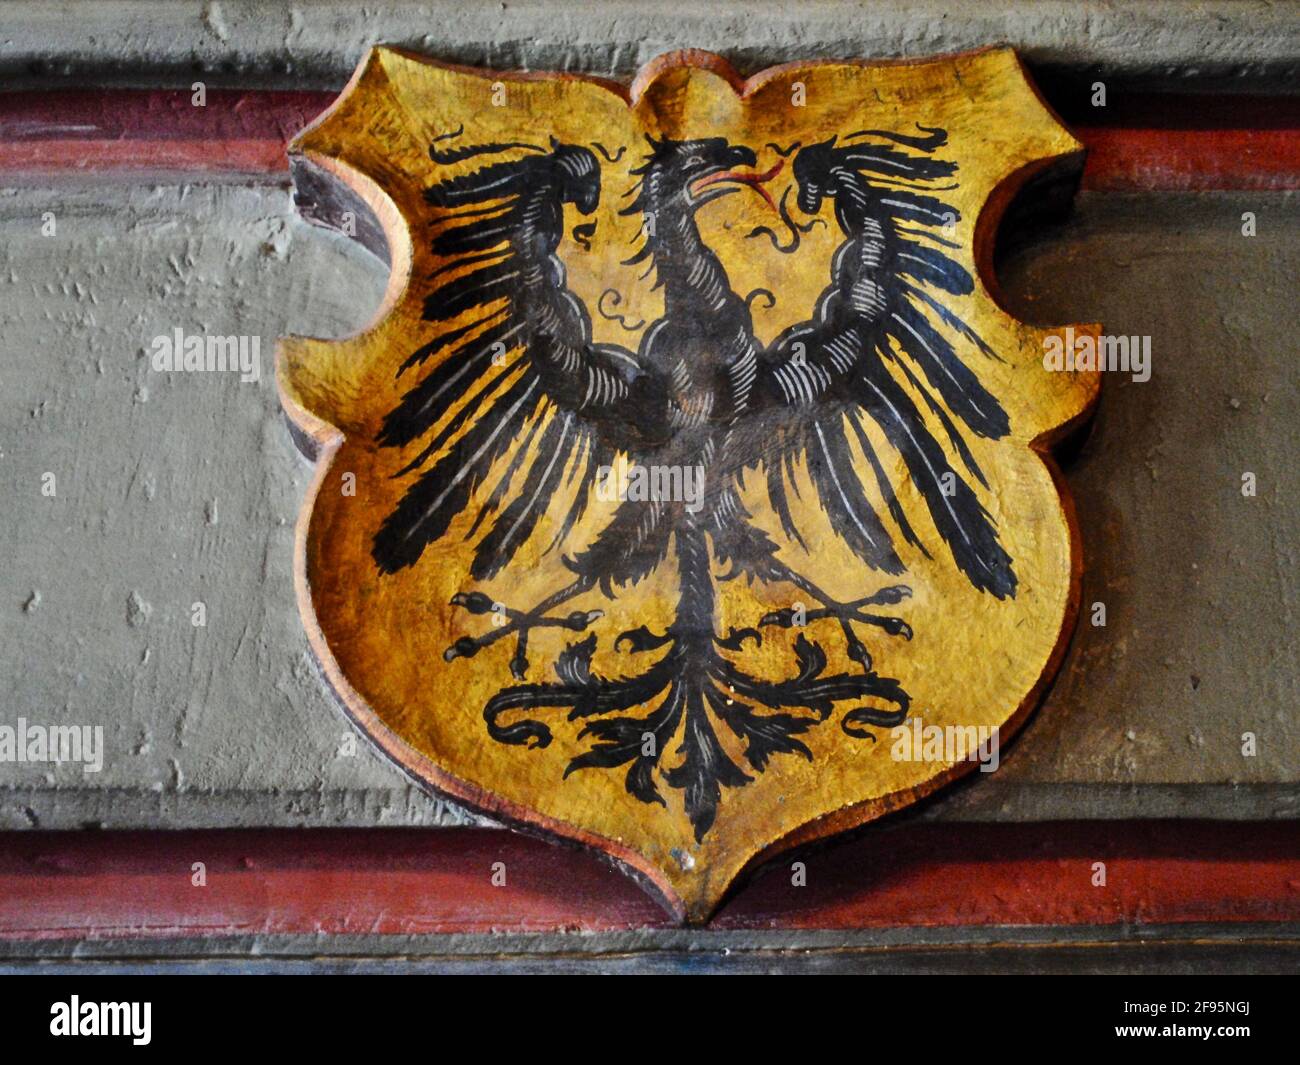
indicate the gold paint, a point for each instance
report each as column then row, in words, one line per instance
column 974, row 659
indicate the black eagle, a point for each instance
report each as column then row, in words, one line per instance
column 515, row 402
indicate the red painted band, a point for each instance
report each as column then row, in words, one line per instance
column 246, row 132
column 56, row 885
column 153, row 130
column 1123, row 160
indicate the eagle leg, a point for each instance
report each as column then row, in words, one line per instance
column 519, row 623
column 846, row 613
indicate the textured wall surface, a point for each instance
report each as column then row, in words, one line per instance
column 172, row 489
column 179, row 488
column 319, row 42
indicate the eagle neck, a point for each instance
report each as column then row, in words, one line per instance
column 692, row 276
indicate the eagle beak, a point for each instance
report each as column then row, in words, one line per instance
column 752, row 178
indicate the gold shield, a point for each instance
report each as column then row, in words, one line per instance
column 690, row 495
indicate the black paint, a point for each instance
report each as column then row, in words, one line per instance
column 700, row 391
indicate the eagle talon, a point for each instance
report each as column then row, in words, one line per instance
column 465, row 647
column 519, row 664
column 579, row 619
column 890, row 596
column 474, row 602
column 893, row 626
column 783, row 617
column 858, row 652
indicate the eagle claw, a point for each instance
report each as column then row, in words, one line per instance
column 890, row 596
column 580, row 619
column 858, row 652
column 896, row 627
column 474, row 602
column 465, row 647
column 519, row 665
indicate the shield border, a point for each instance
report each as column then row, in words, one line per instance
column 319, row 441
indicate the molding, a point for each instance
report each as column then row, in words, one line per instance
column 1219, row 43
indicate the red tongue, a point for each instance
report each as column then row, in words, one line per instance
column 769, row 174
column 751, row 178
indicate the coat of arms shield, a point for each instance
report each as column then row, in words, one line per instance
column 691, row 480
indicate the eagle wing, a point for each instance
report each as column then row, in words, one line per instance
column 516, row 384
column 882, row 347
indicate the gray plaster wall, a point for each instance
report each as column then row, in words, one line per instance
column 1211, row 43
column 172, row 489
column 182, row 488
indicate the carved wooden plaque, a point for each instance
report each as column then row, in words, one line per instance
column 689, row 497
